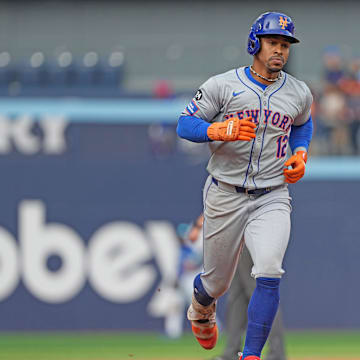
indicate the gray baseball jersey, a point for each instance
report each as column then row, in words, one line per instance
column 258, row 163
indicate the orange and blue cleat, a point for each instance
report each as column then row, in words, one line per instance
column 203, row 323
column 206, row 333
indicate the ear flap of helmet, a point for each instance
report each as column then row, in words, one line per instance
column 253, row 42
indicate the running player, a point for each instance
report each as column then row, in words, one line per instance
column 249, row 116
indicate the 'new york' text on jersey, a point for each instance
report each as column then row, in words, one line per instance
column 258, row 163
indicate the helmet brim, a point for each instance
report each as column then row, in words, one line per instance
column 290, row 38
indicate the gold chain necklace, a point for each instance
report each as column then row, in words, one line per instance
column 264, row 78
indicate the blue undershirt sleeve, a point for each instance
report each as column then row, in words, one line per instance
column 300, row 136
column 193, row 128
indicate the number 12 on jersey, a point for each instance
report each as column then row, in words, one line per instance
column 282, row 142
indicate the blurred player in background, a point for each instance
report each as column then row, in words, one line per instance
column 239, row 295
column 249, row 116
column 189, row 264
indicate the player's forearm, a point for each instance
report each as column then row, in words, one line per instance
column 300, row 136
column 193, row 129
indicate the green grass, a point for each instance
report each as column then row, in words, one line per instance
column 324, row 344
column 140, row 346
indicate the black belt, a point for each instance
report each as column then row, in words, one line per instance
column 239, row 189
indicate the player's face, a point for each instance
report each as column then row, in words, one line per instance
column 274, row 52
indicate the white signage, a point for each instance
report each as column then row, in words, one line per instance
column 117, row 261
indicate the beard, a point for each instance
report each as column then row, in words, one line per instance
column 275, row 68
column 272, row 70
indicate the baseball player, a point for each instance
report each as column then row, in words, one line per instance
column 249, row 116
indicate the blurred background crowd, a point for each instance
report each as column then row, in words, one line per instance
column 336, row 107
column 168, row 49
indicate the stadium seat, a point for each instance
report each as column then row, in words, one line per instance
column 62, row 72
column 33, row 72
column 7, row 72
column 113, row 70
column 89, row 70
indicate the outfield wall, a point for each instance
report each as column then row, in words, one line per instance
column 92, row 194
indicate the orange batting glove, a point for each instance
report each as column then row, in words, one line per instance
column 232, row 129
column 297, row 163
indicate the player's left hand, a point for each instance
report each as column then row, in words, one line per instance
column 297, row 171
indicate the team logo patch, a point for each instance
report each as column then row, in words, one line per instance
column 198, row 95
column 192, row 108
column 283, row 22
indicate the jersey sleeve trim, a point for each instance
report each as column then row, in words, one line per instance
column 192, row 108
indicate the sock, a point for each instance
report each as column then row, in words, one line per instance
column 200, row 293
column 262, row 309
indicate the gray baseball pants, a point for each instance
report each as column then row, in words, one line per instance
column 231, row 218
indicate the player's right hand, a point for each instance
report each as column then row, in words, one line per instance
column 232, row 130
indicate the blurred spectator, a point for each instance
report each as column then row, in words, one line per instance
column 354, row 118
column 332, row 108
column 350, row 85
column 336, row 107
column 355, row 71
column 162, row 89
column 333, row 70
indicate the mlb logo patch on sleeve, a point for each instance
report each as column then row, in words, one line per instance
column 192, row 108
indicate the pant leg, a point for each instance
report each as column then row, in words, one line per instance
column 225, row 217
column 245, row 266
column 276, row 339
column 267, row 233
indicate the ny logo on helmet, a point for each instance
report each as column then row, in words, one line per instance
column 283, row 22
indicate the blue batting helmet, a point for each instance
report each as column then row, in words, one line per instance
column 270, row 23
